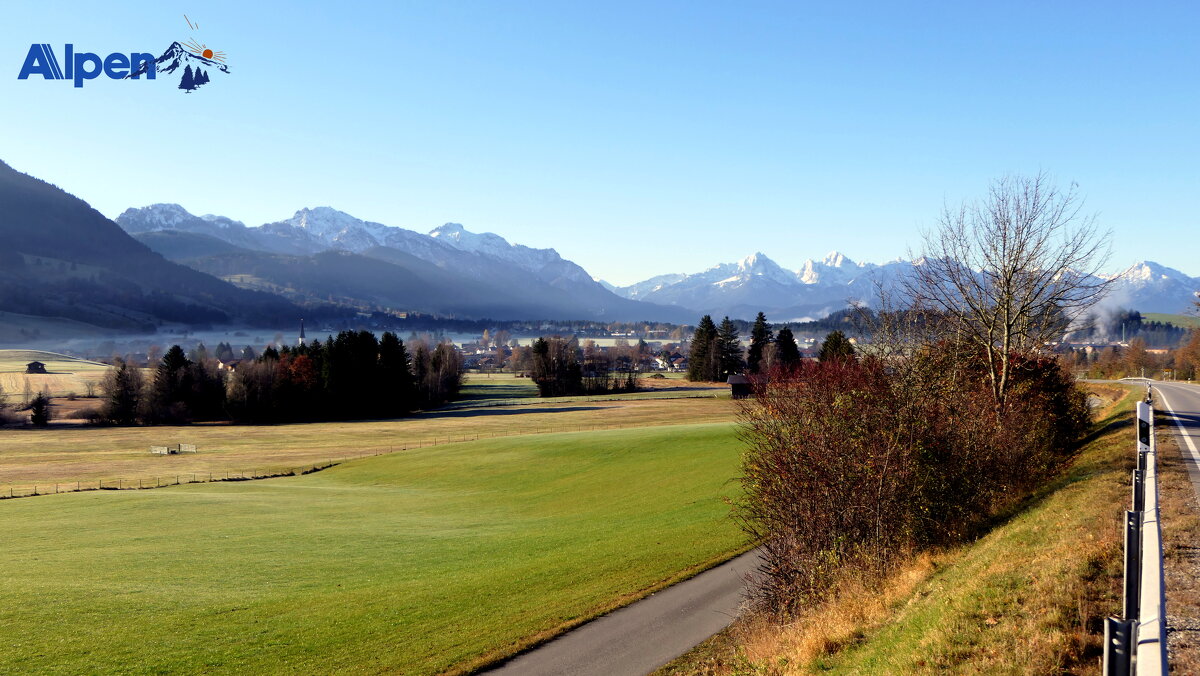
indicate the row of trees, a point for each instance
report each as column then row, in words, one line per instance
column 1137, row 359
column 560, row 368
column 716, row 352
column 352, row 375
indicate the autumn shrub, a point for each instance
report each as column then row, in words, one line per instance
column 852, row 463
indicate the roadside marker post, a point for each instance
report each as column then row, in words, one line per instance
column 1135, row 643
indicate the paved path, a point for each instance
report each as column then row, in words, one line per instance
column 1181, row 403
column 645, row 635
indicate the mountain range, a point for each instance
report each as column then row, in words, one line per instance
column 63, row 259
column 159, row 264
column 322, row 254
column 819, row 287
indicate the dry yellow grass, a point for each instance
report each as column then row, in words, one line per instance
column 70, row 453
column 65, row 374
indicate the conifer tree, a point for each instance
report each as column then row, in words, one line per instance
column 836, row 348
column 396, row 374
column 787, row 353
column 760, row 337
column 188, row 82
column 39, row 410
column 699, row 354
column 729, row 351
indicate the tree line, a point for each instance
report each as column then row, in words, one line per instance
column 715, row 352
column 559, row 367
column 351, row 376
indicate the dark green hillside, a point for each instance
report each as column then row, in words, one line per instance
column 62, row 258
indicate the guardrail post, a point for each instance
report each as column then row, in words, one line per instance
column 1139, row 490
column 1133, row 563
column 1118, row 644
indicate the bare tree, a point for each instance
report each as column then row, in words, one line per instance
column 1012, row 271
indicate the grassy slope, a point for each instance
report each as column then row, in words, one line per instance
column 66, row 374
column 70, row 453
column 1027, row 597
column 1185, row 321
column 415, row 562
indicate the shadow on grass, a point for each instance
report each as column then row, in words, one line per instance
column 502, row 410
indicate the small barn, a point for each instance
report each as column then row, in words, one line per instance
column 739, row 386
column 35, row 367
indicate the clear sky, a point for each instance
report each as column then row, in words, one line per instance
column 636, row 138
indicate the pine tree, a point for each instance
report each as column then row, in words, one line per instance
column 172, row 387
column 787, row 353
column 836, row 348
column 397, row 376
column 122, row 388
column 760, row 337
column 188, row 82
column 729, row 350
column 698, row 355
column 39, row 410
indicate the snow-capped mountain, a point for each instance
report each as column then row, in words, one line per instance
column 818, row 287
column 1147, row 286
column 538, row 279
column 177, row 57
column 757, row 283
column 547, row 264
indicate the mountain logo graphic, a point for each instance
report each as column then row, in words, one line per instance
column 196, row 59
column 195, row 68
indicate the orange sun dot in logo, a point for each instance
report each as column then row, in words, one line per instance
column 204, row 51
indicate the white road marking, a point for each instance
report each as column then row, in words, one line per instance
column 1182, row 430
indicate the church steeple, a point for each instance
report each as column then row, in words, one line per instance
column 301, row 341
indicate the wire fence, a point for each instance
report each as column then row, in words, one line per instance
column 250, row 473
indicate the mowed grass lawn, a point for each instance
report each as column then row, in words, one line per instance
column 69, row 453
column 418, row 562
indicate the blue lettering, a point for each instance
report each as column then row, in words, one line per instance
column 37, row 63
column 116, row 66
column 81, row 73
column 138, row 60
column 81, row 66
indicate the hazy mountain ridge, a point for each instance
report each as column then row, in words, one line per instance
column 757, row 283
column 738, row 289
column 456, row 271
column 61, row 258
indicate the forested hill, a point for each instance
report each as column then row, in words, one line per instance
column 62, row 258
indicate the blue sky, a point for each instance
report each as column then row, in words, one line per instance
column 636, row 138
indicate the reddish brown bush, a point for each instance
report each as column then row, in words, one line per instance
column 851, row 463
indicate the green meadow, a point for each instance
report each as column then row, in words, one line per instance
column 432, row 560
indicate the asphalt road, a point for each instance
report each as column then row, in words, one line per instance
column 1181, row 403
column 645, row 635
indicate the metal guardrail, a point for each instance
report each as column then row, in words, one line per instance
column 1136, row 642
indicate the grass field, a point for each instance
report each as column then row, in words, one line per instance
column 65, row 374
column 69, row 453
column 419, row 562
column 1186, row 321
